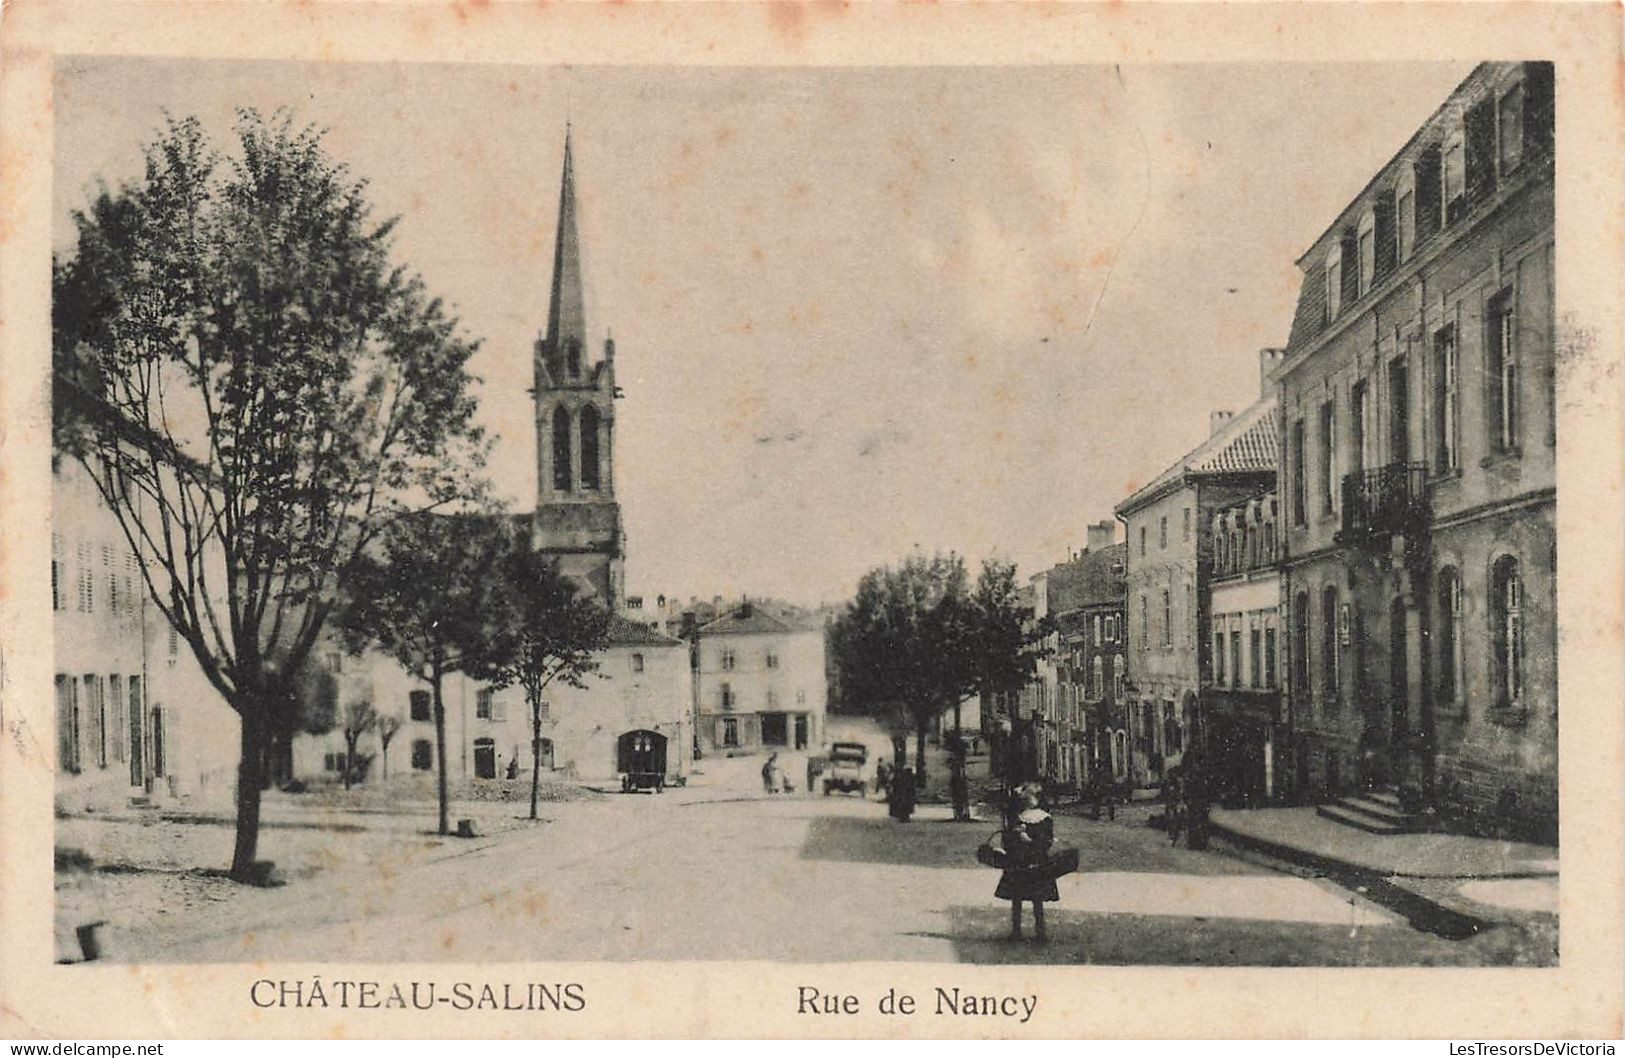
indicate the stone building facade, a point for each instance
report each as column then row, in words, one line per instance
column 135, row 715
column 1168, row 563
column 1246, row 726
column 1418, row 429
column 760, row 682
column 1087, row 603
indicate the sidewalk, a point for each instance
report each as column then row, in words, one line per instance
column 1299, row 834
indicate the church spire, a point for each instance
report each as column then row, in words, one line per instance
column 566, row 316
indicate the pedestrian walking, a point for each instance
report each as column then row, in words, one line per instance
column 1029, row 832
column 770, row 773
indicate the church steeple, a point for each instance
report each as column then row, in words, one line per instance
column 566, row 341
column 577, row 519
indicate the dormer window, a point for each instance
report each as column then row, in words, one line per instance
column 1334, row 282
column 1405, row 207
column 1509, row 128
column 1367, row 243
column 1454, row 176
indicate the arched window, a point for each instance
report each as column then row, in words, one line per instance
column 572, row 353
column 1447, row 633
column 1097, row 677
column 1506, row 587
column 1118, row 689
column 1167, row 620
column 561, row 448
column 1328, row 643
column 589, row 447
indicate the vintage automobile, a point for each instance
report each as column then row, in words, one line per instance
column 846, row 761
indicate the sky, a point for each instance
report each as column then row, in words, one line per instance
column 856, row 311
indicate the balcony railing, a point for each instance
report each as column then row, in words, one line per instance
column 1386, row 501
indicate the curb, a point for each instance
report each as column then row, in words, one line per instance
column 1420, row 912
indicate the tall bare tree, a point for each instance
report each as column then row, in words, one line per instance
column 433, row 600
column 359, row 718
column 256, row 390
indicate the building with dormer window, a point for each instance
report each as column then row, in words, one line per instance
column 1418, row 423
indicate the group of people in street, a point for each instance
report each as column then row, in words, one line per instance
column 1185, row 805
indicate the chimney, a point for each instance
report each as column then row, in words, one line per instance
column 1268, row 361
column 1218, row 420
column 1101, row 535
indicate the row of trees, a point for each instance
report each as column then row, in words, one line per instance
column 921, row 637
column 282, row 421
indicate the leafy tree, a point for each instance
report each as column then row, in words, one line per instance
column 432, row 600
column 552, row 633
column 256, row 391
column 359, row 718
column 919, row 638
column 388, row 725
column 897, row 643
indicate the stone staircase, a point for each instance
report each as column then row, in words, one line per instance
column 1373, row 811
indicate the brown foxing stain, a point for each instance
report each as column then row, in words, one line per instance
column 792, row 22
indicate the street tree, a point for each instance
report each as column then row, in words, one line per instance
column 432, row 600
column 552, row 633
column 1002, row 646
column 899, row 642
column 359, row 718
column 256, row 390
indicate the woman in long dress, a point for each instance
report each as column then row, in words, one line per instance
column 1029, row 832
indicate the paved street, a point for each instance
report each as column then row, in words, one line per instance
column 720, row 870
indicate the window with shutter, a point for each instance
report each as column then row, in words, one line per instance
column 1429, row 208
column 1367, row 253
column 1480, row 149
column 1385, row 250
column 1509, row 131
column 1455, row 177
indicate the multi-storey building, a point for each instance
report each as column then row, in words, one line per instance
column 1087, row 601
column 760, row 681
column 1244, row 725
column 1168, row 562
column 1418, row 421
column 135, row 714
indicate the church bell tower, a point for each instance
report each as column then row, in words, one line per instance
column 577, row 519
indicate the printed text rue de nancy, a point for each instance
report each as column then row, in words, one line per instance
column 949, row 1001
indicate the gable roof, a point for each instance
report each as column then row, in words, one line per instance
column 1246, row 444
column 1091, row 579
column 746, row 621
column 628, row 633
